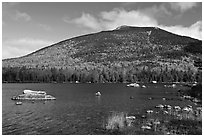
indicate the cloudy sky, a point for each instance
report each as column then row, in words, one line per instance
column 27, row 27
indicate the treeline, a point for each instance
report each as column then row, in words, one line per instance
column 97, row 75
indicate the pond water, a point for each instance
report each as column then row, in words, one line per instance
column 76, row 109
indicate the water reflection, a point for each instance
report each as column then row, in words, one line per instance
column 98, row 100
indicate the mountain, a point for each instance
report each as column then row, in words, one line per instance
column 124, row 49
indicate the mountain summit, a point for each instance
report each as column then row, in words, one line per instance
column 122, row 27
column 125, row 47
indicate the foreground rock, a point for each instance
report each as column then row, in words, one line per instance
column 33, row 95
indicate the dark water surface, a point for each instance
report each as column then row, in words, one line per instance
column 76, row 109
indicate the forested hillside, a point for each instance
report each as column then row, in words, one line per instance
column 126, row 54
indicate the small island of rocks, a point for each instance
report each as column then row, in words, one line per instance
column 33, row 95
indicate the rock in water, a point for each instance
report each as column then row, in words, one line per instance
column 33, row 95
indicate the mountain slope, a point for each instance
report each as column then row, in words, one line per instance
column 125, row 47
column 125, row 44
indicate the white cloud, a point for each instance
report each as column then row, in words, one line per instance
column 22, row 46
column 182, row 6
column 113, row 19
column 22, row 16
column 86, row 20
column 107, row 20
column 157, row 11
column 118, row 17
column 194, row 31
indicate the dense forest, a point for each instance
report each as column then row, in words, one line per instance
column 96, row 75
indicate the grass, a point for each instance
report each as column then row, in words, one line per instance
column 116, row 121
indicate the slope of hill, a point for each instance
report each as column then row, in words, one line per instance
column 128, row 48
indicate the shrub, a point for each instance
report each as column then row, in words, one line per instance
column 116, row 121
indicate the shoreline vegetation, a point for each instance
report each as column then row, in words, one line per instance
column 187, row 84
column 109, row 74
